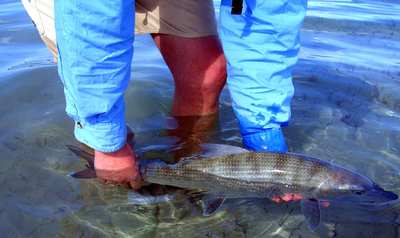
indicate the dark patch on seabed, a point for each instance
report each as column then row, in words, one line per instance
column 345, row 110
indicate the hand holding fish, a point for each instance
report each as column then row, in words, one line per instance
column 119, row 167
column 289, row 197
column 295, row 197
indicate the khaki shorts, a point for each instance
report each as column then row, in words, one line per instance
column 185, row 18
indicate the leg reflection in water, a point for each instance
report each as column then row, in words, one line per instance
column 192, row 131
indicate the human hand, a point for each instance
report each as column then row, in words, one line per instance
column 288, row 197
column 293, row 197
column 120, row 167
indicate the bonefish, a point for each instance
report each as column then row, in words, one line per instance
column 267, row 175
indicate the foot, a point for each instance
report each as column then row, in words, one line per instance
column 269, row 140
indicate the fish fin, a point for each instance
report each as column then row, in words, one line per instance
column 211, row 204
column 195, row 194
column 213, row 150
column 88, row 173
column 311, row 210
column 89, row 158
column 186, row 160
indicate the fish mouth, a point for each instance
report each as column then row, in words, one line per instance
column 375, row 195
column 390, row 195
column 380, row 195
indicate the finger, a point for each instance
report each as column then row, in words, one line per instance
column 291, row 197
column 277, row 199
column 297, row 197
column 325, row 204
column 103, row 181
column 108, row 182
column 137, row 182
column 287, row 197
column 135, row 185
column 125, row 185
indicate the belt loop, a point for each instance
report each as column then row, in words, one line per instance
column 237, row 7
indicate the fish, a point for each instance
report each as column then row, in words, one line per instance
column 247, row 174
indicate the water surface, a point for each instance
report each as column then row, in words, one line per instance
column 346, row 110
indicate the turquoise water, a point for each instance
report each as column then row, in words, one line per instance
column 346, row 110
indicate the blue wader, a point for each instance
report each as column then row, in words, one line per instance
column 261, row 46
column 94, row 40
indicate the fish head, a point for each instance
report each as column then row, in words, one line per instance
column 359, row 188
column 378, row 194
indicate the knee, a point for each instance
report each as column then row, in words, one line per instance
column 219, row 67
column 215, row 75
column 207, row 78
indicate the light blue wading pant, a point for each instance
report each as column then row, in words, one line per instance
column 94, row 40
column 261, row 46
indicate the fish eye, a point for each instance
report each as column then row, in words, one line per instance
column 359, row 192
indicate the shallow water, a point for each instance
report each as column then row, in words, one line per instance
column 346, row 110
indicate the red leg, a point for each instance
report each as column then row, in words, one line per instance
column 199, row 71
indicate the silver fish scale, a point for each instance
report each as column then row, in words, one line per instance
column 251, row 173
column 264, row 167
